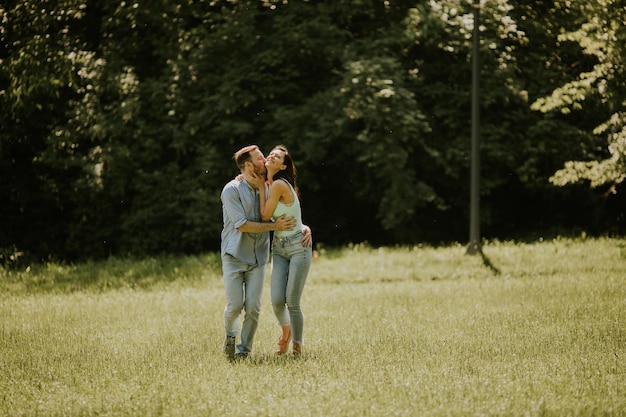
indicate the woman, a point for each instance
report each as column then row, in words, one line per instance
column 291, row 258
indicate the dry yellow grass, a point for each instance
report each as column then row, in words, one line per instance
column 392, row 331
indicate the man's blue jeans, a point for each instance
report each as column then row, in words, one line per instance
column 244, row 287
column 290, row 266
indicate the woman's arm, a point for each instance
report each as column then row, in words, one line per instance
column 277, row 189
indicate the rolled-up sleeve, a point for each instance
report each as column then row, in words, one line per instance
column 239, row 205
column 233, row 207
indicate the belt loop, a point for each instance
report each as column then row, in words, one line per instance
column 289, row 239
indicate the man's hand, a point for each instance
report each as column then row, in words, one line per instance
column 307, row 240
column 285, row 223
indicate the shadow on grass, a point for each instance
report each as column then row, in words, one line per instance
column 273, row 359
column 489, row 264
column 476, row 249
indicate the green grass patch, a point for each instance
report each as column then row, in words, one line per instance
column 531, row 330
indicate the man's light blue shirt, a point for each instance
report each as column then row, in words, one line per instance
column 240, row 203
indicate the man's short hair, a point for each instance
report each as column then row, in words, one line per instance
column 243, row 155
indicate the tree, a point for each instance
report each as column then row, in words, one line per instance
column 36, row 75
column 119, row 119
column 602, row 36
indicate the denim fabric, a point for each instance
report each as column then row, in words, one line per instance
column 290, row 266
column 244, row 287
column 240, row 203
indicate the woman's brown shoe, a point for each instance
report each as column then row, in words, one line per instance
column 296, row 349
column 283, row 340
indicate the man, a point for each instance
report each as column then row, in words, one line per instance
column 245, row 249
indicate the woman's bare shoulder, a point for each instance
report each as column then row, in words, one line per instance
column 280, row 185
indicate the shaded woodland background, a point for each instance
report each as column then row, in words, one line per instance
column 119, row 119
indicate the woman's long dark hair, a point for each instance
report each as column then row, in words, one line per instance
column 290, row 173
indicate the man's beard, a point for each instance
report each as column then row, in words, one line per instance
column 261, row 172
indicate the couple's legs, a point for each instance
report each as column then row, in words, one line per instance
column 244, row 287
column 289, row 272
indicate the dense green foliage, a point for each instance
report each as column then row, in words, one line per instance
column 119, row 119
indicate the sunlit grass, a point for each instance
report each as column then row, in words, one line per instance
column 393, row 331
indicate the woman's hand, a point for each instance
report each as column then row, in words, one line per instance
column 256, row 181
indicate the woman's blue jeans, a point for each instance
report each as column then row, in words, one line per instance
column 290, row 266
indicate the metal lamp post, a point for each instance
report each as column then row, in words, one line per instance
column 475, row 245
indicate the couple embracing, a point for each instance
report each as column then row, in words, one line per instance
column 263, row 198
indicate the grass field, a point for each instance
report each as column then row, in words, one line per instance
column 535, row 329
